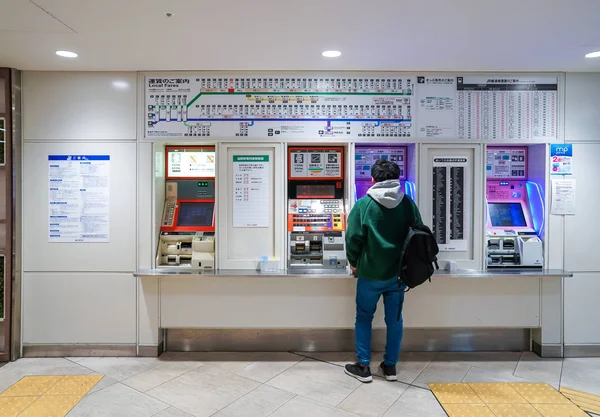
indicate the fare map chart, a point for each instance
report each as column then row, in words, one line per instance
column 303, row 107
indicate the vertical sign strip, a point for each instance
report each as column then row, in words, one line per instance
column 2, row 141
column 439, row 204
column 457, row 215
column 2, row 265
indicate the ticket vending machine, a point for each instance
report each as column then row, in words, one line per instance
column 513, row 203
column 316, row 208
column 187, row 231
column 364, row 158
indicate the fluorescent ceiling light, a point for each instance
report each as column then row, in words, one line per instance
column 331, row 54
column 120, row 85
column 66, row 54
column 593, row 55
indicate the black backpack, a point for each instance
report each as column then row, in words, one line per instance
column 418, row 259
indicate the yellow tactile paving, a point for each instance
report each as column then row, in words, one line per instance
column 52, row 406
column 45, row 396
column 584, row 404
column 31, row 385
column 558, row 410
column 511, row 400
column 13, row 406
column 540, row 394
column 571, row 392
column 74, row 385
column 585, row 401
column 455, row 394
column 468, row 410
column 492, row 393
column 514, row 410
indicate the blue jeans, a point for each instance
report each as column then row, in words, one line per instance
column 368, row 293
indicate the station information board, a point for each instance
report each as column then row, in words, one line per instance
column 453, row 106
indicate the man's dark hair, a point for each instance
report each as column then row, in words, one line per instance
column 384, row 170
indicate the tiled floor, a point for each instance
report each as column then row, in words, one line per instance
column 290, row 385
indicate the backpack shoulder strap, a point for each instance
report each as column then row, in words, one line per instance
column 408, row 209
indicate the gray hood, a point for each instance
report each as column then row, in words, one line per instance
column 387, row 193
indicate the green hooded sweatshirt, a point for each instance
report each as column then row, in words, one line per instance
column 377, row 228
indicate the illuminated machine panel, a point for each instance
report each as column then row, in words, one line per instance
column 366, row 156
column 190, row 162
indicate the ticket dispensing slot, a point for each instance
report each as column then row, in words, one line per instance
column 511, row 237
column 367, row 155
column 188, row 222
column 316, row 210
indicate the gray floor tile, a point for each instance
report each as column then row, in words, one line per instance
column 258, row 403
column 538, row 369
column 226, row 361
column 303, row 407
column 409, row 367
column 494, row 361
column 117, row 400
column 104, row 383
column 160, row 374
column 317, row 381
column 172, row 412
column 119, row 368
column 582, row 374
column 204, row 391
column 416, row 402
column 373, row 400
column 442, row 372
column 269, row 366
column 485, row 375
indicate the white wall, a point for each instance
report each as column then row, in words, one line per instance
column 80, row 293
column 87, row 294
column 581, row 252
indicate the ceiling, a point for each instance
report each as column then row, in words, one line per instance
column 423, row 35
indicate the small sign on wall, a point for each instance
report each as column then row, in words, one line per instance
column 251, row 191
column 561, row 159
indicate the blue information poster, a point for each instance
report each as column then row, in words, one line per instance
column 78, row 198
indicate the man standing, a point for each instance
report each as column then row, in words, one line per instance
column 377, row 228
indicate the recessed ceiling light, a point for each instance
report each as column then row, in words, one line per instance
column 593, row 55
column 120, row 85
column 331, row 54
column 66, row 54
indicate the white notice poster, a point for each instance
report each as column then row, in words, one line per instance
column 436, row 99
column 563, row 197
column 78, row 198
column 251, row 191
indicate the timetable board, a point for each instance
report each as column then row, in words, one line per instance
column 477, row 107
